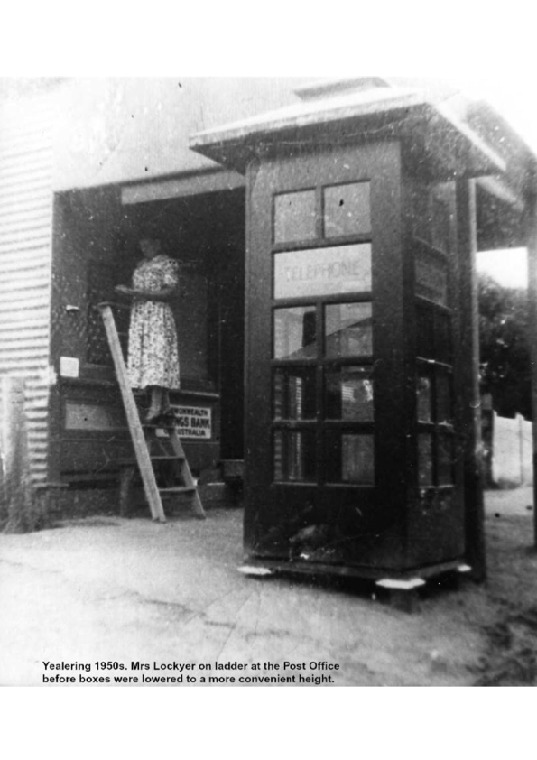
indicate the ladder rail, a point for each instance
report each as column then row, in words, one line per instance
column 133, row 419
column 186, row 475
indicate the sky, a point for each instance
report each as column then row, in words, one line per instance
column 507, row 267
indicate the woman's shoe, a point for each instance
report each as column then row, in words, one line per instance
column 166, row 415
column 152, row 415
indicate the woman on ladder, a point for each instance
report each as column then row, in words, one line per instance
column 153, row 354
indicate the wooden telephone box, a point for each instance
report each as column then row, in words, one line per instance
column 356, row 387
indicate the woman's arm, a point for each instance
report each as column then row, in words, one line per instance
column 167, row 293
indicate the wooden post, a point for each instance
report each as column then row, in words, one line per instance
column 18, row 508
column 530, row 235
column 520, row 433
column 468, row 367
column 126, row 478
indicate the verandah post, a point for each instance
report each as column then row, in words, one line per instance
column 469, row 369
column 530, row 235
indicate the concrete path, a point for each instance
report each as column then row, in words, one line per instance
column 515, row 501
column 105, row 589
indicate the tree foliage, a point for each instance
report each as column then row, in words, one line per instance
column 505, row 356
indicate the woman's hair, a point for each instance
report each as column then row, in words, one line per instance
column 151, row 239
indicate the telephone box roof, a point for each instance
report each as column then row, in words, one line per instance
column 354, row 111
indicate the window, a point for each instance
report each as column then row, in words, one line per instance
column 435, row 425
column 433, row 213
column 350, row 458
column 446, row 460
column 444, row 411
column 294, row 456
column 349, row 329
column 347, row 209
column 294, row 394
column 431, row 272
column 425, row 459
column 294, row 216
column 433, row 333
column 424, row 398
column 350, row 394
column 323, row 393
column 295, row 333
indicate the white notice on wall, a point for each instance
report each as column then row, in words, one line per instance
column 193, row 422
column 69, row 366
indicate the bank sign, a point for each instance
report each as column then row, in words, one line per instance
column 193, row 422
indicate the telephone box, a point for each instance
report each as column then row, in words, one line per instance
column 357, row 356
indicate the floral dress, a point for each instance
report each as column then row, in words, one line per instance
column 153, row 356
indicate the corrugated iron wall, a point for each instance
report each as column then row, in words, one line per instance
column 25, row 259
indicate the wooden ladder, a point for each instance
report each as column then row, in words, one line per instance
column 152, row 443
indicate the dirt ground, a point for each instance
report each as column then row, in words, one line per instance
column 123, row 591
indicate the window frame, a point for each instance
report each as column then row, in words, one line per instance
column 322, row 426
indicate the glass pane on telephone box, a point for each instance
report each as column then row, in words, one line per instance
column 349, row 394
column 294, row 216
column 294, row 393
column 295, row 333
column 350, row 459
column 347, row 209
column 349, row 329
column 294, row 456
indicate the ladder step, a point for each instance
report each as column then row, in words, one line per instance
column 179, row 489
column 159, row 458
